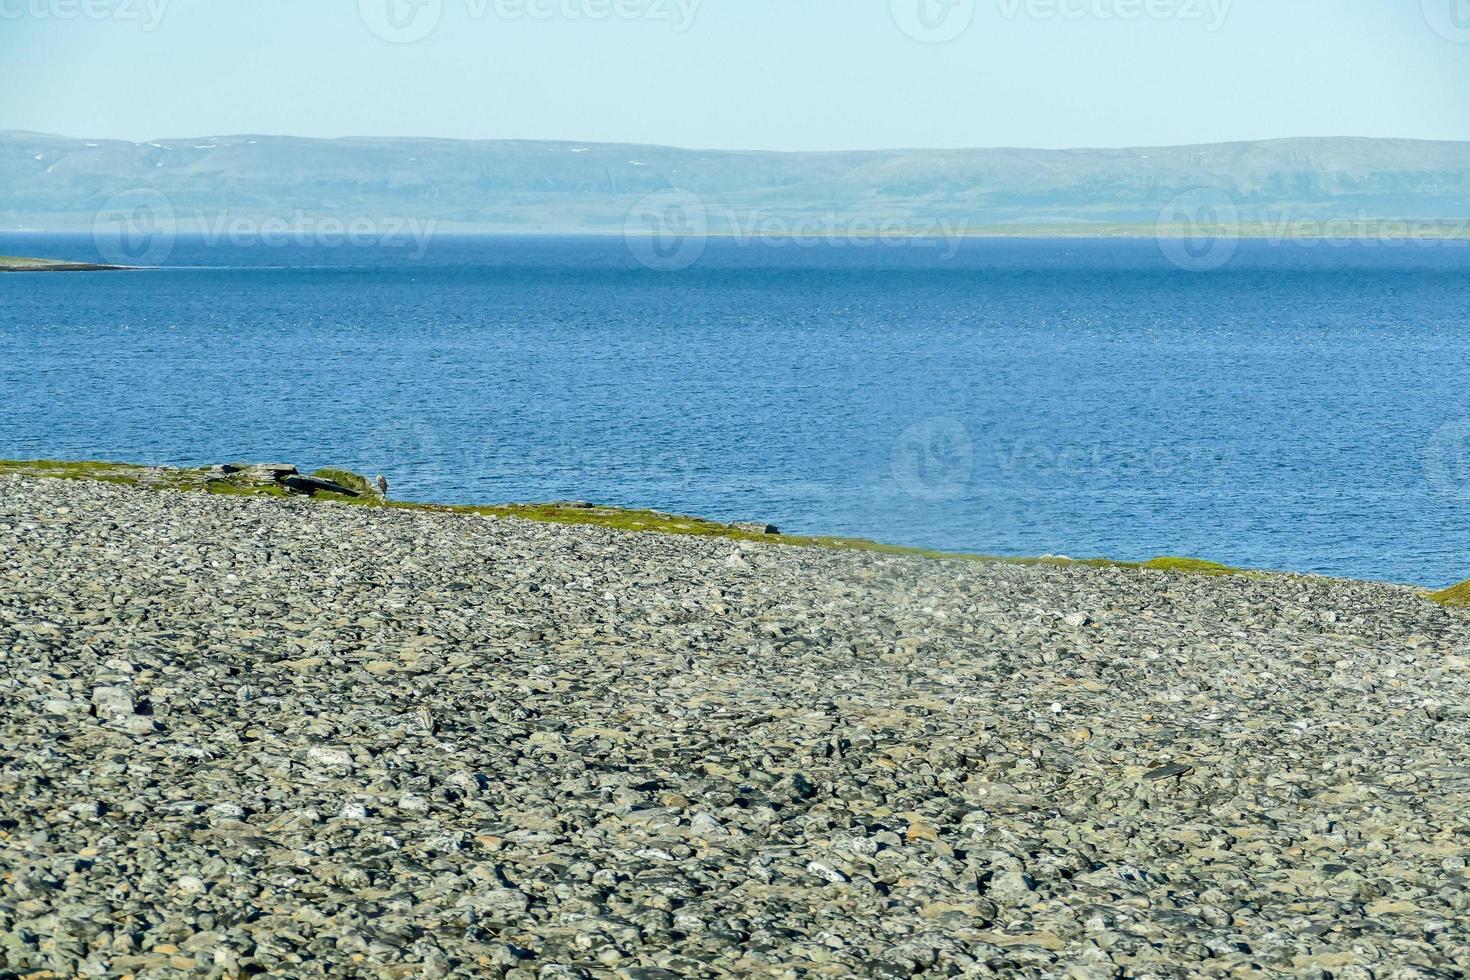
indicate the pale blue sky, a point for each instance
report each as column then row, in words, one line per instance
column 759, row 74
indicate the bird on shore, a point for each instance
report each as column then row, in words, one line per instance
column 382, row 486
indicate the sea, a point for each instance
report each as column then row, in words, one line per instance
column 1290, row 404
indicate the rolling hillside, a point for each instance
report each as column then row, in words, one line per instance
column 57, row 183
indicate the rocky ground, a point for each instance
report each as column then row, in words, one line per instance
column 285, row 737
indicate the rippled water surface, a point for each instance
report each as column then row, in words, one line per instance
column 1300, row 408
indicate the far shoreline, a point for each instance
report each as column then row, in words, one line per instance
column 14, row 263
column 846, row 229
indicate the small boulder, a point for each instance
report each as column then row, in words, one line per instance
column 756, row 527
column 1011, row 888
column 312, row 485
column 329, row 757
column 273, row 472
column 112, row 701
column 190, row 885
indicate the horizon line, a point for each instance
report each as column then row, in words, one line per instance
column 696, row 149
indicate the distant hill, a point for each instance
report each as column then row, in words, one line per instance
column 58, row 183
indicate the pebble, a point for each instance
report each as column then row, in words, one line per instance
column 280, row 737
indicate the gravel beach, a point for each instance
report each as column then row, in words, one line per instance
column 245, row 736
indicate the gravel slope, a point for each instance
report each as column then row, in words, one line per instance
column 244, row 735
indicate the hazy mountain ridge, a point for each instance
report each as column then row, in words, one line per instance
column 59, row 183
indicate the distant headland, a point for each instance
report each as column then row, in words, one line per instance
column 15, row 263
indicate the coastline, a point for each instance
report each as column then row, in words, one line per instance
column 355, row 490
column 299, row 736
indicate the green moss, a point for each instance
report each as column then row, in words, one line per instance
column 326, row 496
column 224, row 488
column 1190, row 566
column 613, row 518
column 657, row 522
column 67, row 470
column 1455, row 595
column 346, row 478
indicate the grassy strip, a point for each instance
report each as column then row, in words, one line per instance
column 1193, row 566
column 1455, row 595
column 615, row 518
column 348, row 479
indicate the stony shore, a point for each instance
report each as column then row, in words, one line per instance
column 285, row 737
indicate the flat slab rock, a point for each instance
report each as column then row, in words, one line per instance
column 300, row 739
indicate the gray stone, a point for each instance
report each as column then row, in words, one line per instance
column 311, row 485
column 756, row 527
column 258, row 735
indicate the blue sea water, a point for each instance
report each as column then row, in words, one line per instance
column 1300, row 408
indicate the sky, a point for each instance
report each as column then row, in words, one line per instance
column 742, row 74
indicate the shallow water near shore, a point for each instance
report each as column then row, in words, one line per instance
column 1302, row 407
